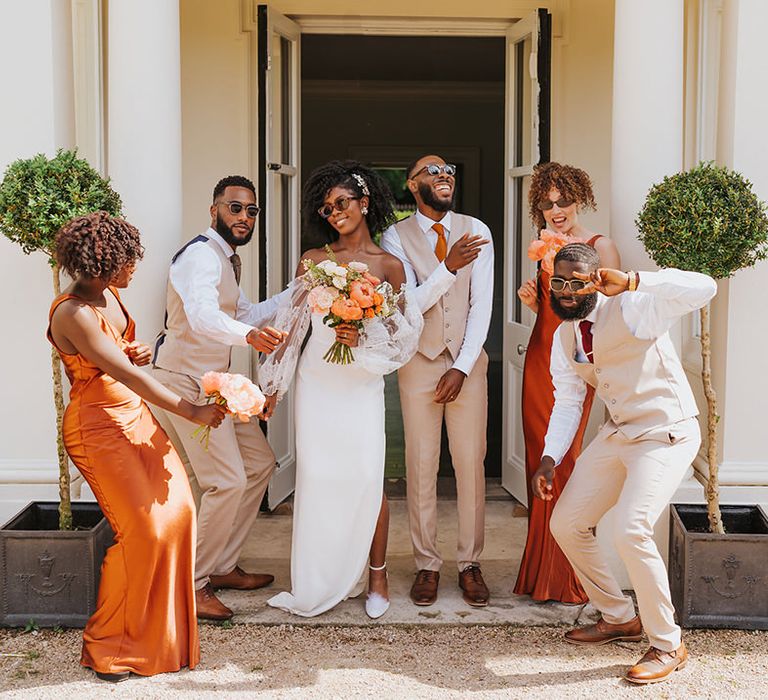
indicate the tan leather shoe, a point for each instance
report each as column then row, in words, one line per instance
column 604, row 632
column 424, row 588
column 209, row 607
column 475, row 591
column 240, row 580
column 657, row 665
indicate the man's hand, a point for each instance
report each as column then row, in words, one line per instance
column 604, row 280
column 138, row 353
column 464, row 251
column 541, row 481
column 269, row 408
column 449, row 386
column 265, row 340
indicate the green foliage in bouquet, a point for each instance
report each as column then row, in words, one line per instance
column 708, row 220
column 37, row 197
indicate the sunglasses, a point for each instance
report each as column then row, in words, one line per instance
column 558, row 284
column 341, row 204
column 251, row 210
column 547, row 204
column 434, row 169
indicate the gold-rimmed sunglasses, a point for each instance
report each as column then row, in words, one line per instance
column 235, row 207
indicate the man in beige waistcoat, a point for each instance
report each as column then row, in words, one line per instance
column 207, row 314
column 446, row 379
column 615, row 338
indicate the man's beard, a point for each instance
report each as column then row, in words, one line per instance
column 226, row 233
column 430, row 199
column 585, row 307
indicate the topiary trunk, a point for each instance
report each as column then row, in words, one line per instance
column 713, row 483
column 65, row 503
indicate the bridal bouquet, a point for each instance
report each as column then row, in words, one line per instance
column 545, row 247
column 238, row 394
column 346, row 293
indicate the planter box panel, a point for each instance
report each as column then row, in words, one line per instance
column 719, row 580
column 50, row 576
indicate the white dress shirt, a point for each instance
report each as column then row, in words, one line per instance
column 195, row 276
column 431, row 289
column 660, row 300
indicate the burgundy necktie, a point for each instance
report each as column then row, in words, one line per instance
column 586, row 339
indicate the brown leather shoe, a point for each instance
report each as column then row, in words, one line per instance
column 424, row 588
column 209, row 607
column 241, row 581
column 657, row 665
column 603, row 632
column 475, row 591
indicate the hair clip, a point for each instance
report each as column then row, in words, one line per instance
column 361, row 183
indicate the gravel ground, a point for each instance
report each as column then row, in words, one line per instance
column 391, row 661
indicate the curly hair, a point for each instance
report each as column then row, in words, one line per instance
column 570, row 181
column 97, row 245
column 232, row 181
column 381, row 210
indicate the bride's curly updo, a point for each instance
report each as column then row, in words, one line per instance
column 347, row 174
column 97, row 245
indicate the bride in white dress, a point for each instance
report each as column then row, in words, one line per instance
column 341, row 517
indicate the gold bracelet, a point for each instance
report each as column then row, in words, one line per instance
column 633, row 280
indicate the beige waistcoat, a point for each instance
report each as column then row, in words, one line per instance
column 446, row 321
column 642, row 382
column 178, row 347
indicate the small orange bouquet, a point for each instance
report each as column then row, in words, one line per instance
column 346, row 293
column 545, row 247
column 238, row 394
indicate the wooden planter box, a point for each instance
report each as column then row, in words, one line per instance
column 48, row 575
column 719, row 580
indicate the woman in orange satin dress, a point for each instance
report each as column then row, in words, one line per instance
column 145, row 621
column 557, row 194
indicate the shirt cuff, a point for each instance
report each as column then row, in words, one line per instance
column 240, row 330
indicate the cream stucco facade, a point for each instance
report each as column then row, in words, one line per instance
column 162, row 95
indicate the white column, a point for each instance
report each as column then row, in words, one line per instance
column 647, row 131
column 739, row 320
column 144, row 154
column 37, row 117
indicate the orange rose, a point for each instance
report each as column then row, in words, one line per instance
column 378, row 299
column 362, row 292
column 375, row 281
column 346, row 309
column 368, row 313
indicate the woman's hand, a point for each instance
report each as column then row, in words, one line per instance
column 347, row 334
column 528, row 295
column 138, row 353
column 210, row 414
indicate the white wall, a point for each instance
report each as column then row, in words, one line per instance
column 37, row 116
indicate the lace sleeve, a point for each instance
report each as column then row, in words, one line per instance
column 386, row 344
column 292, row 315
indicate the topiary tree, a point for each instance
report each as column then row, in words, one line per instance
column 38, row 196
column 707, row 220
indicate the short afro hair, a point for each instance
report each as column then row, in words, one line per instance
column 381, row 209
column 571, row 182
column 232, row 181
column 97, row 245
column 579, row 253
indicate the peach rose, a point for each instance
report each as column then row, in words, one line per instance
column 536, row 250
column 362, row 292
column 320, row 298
column 212, row 382
column 375, row 281
column 243, row 397
column 378, row 299
column 346, row 309
column 358, row 267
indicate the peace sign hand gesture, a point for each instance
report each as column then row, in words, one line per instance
column 604, row 280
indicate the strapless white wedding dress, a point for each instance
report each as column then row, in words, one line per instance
column 340, row 448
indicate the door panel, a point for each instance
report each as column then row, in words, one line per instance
column 527, row 143
column 279, row 148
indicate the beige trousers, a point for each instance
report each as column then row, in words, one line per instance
column 638, row 477
column 466, row 419
column 233, row 475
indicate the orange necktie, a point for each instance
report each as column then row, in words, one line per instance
column 441, row 247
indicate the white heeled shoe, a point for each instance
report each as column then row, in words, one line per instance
column 375, row 603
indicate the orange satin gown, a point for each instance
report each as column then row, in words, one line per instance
column 145, row 619
column 545, row 573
